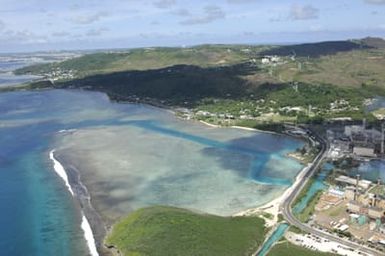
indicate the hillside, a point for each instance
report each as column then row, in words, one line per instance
column 181, row 85
column 149, row 58
column 315, row 49
column 374, row 42
column 332, row 81
column 345, row 69
column 167, row 231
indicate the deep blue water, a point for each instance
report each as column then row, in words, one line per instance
column 38, row 216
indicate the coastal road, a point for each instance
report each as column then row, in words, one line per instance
column 286, row 209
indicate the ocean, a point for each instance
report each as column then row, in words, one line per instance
column 7, row 78
column 128, row 156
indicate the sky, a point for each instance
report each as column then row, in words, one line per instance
column 33, row 25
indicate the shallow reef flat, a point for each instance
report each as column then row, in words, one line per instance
column 128, row 156
column 149, row 157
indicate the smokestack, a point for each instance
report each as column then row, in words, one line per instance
column 356, row 190
column 376, row 196
column 382, row 137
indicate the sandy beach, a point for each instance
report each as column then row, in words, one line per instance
column 273, row 207
column 211, row 125
column 253, row 129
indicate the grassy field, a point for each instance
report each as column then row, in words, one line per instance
column 296, row 230
column 172, row 231
column 287, row 249
column 345, row 69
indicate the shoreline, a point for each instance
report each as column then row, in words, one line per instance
column 273, row 207
column 173, row 110
column 255, row 130
column 96, row 230
column 80, row 193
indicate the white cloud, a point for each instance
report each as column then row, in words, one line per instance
column 303, row 12
column 164, row 4
column 248, row 33
column 316, row 28
column 181, row 12
column 60, row 34
column 22, row 37
column 88, row 19
column 96, row 32
column 375, row 1
column 2, row 25
column 241, row 1
column 210, row 13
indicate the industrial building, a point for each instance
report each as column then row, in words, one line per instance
column 364, row 151
column 361, row 201
column 365, row 142
column 357, row 141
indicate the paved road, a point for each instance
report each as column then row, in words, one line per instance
column 290, row 218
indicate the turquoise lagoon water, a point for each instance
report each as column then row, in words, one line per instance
column 277, row 234
column 316, row 186
column 128, row 156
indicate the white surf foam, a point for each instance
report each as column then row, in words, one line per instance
column 88, row 235
column 59, row 169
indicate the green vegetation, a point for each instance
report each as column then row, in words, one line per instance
column 305, row 215
column 178, row 85
column 336, row 211
column 288, row 249
column 342, row 233
column 267, row 215
column 303, row 191
column 296, row 230
column 351, row 69
column 231, row 86
column 305, row 154
column 265, row 126
column 150, row 58
column 280, row 218
column 172, row 231
column 315, row 49
column 308, row 211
